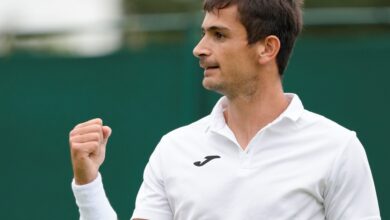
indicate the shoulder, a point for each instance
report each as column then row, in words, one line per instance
column 196, row 128
column 321, row 125
column 183, row 142
column 321, row 133
column 187, row 135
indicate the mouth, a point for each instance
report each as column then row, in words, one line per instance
column 211, row 67
column 208, row 66
column 210, row 70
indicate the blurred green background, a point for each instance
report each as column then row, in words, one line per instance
column 153, row 85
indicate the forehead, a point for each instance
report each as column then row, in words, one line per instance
column 227, row 17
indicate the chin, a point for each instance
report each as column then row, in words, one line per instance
column 207, row 83
column 211, row 85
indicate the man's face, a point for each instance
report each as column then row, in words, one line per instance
column 230, row 64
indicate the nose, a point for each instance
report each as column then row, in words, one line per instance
column 201, row 50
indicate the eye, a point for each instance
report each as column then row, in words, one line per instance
column 219, row 35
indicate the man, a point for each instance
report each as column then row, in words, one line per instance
column 258, row 155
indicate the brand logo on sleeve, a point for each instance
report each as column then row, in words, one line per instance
column 207, row 159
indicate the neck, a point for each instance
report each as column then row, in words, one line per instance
column 248, row 114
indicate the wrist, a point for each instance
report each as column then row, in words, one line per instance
column 83, row 179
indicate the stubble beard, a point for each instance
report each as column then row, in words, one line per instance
column 246, row 87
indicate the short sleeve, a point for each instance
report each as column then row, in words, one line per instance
column 152, row 202
column 350, row 191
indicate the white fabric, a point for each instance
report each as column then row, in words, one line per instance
column 92, row 201
column 301, row 166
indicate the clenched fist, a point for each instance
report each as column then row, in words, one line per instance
column 88, row 142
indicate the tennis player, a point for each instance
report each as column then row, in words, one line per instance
column 259, row 155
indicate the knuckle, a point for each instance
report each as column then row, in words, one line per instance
column 95, row 144
column 95, row 137
column 75, row 138
column 75, row 131
column 95, row 127
column 99, row 121
column 72, row 132
column 71, row 139
column 77, row 125
column 75, row 147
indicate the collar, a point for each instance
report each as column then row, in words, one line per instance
column 292, row 112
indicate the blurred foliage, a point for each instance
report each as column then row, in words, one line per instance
column 169, row 6
column 135, row 39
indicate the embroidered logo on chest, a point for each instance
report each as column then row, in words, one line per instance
column 207, row 159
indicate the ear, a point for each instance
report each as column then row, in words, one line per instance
column 269, row 49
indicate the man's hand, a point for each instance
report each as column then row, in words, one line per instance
column 88, row 149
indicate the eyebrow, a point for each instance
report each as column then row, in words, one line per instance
column 215, row 28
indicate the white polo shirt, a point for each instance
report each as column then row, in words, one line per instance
column 301, row 166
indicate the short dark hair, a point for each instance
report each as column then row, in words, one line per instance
column 261, row 18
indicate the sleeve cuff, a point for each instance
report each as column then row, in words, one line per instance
column 92, row 201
